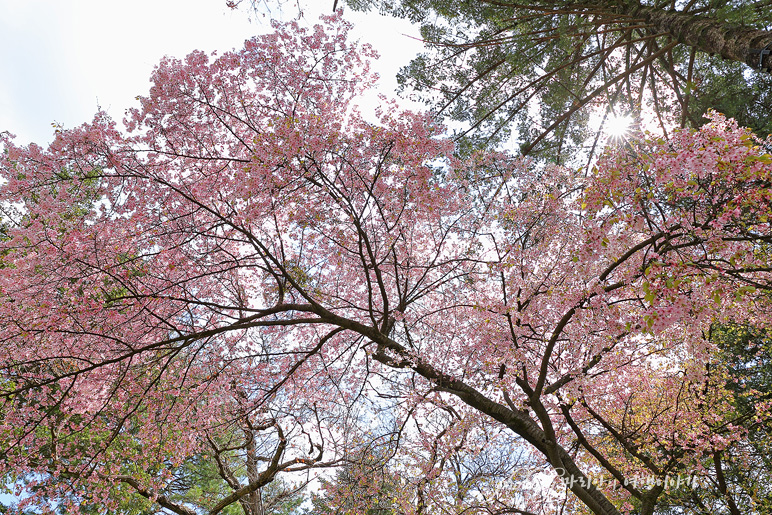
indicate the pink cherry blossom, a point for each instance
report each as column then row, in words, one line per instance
column 251, row 262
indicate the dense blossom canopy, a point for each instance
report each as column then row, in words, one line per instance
column 253, row 270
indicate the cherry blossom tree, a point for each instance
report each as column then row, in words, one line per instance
column 255, row 272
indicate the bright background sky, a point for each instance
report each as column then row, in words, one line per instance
column 60, row 59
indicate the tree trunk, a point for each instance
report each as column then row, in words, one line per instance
column 518, row 422
column 747, row 45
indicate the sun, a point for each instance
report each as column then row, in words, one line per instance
column 617, row 127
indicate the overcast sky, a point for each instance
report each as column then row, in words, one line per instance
column 60, row 59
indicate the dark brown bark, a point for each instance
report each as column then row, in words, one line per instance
column 520, row 422
column 743, row 44
column 161, row 500
column 733, row 509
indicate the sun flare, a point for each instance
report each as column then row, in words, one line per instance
column 618, row 126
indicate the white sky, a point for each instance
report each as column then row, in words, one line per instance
column 60, row 59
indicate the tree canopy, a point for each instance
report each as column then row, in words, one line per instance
column 544, row 70
column 252, row 272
